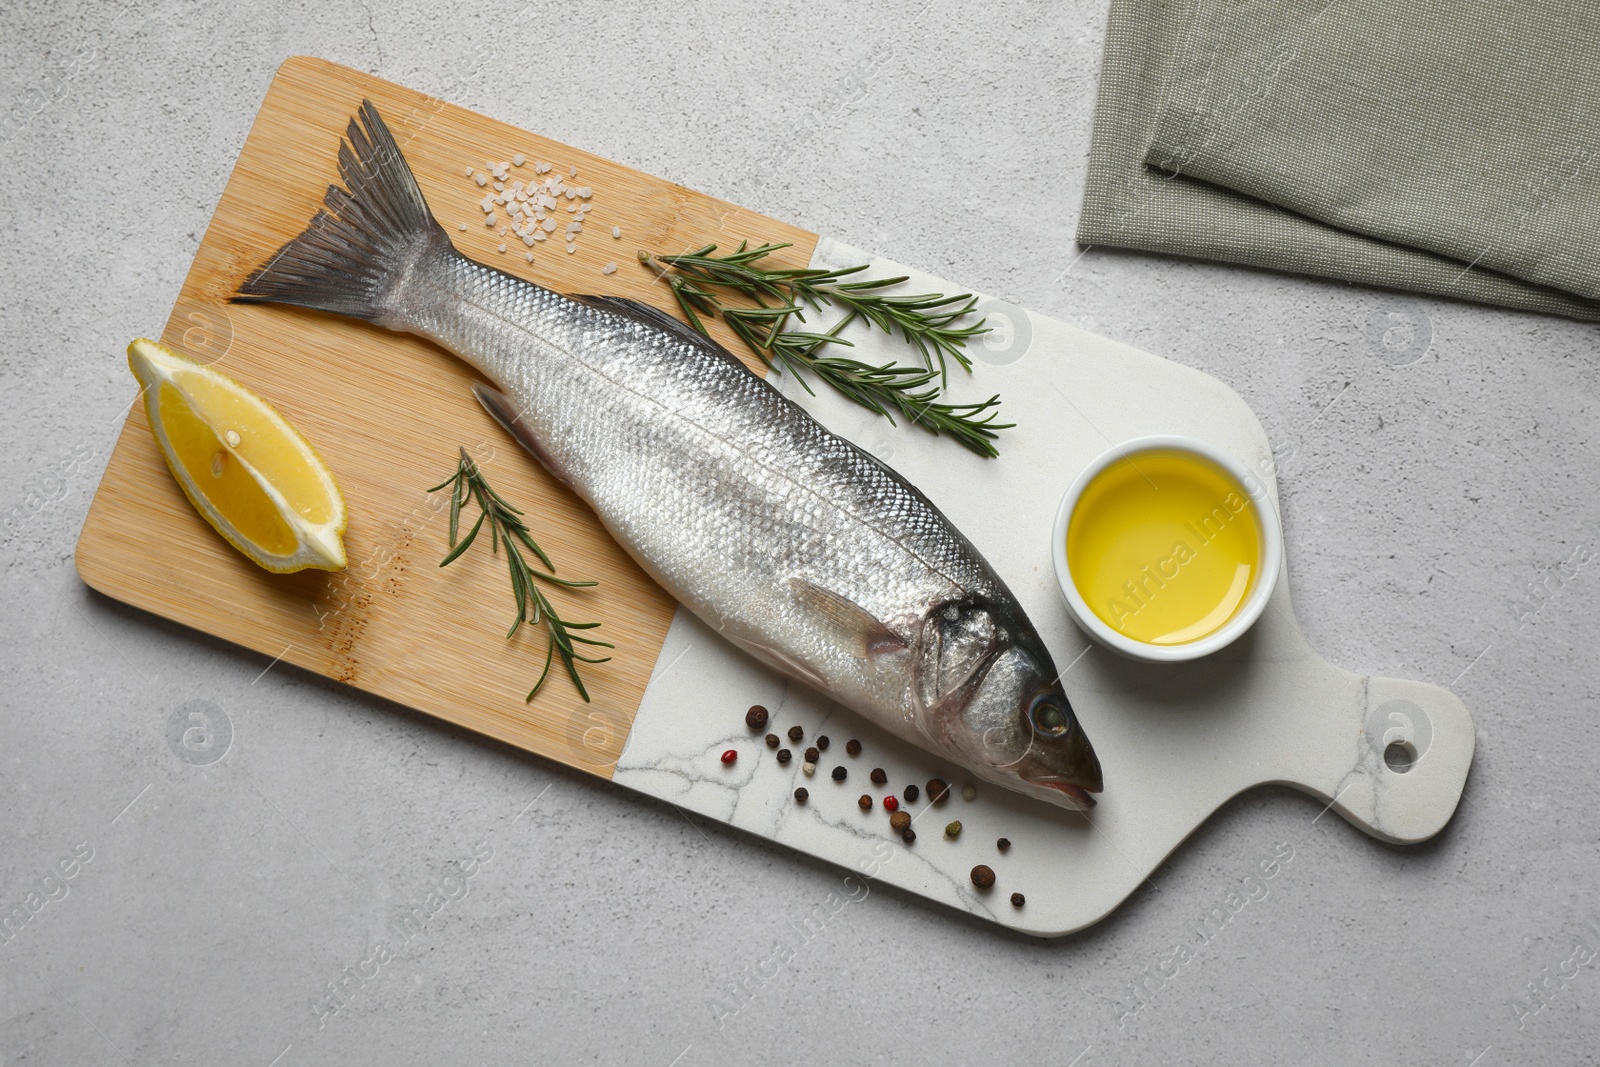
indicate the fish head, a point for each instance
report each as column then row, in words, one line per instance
column 989, row 692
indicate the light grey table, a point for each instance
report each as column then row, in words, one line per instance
column 1438, row 476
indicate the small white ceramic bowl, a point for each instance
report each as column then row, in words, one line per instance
column 1248, row 613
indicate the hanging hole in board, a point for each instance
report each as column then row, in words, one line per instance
column 1399, row 756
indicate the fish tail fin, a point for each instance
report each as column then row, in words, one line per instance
column 363, row 243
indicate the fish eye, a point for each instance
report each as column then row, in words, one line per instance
column 1049, row 715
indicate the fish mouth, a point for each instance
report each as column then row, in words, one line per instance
column 1081, row 798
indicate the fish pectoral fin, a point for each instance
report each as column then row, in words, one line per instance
column 509, row 416
column 863, row 633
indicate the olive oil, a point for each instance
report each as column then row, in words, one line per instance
column 1164, row 546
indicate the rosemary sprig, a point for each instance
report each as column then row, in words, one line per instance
column 925, row 321
column 533, row 607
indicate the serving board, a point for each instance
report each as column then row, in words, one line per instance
column 389, row 412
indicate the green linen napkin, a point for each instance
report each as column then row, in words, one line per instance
column 1192, row 83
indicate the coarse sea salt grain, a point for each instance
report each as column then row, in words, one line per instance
column 528, row 257
column 502, row 246
column 490, row 220
column 609, row 268
column 616, row 232
column 518, row 160
column 481, row 180
column 571, row 248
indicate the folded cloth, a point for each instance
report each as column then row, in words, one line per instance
column 1162, row 76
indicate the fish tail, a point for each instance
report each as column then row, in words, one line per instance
column 361, row 245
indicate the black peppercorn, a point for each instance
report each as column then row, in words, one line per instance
column 938, row 792
column 838, row 774
column 795, row 734
column 912, row 793
column 772, row 740
column 802, row 794
column 784, row 755
column 822, row 742
column 908, row 835
column 853, row 747
column 1018, row 900
column 812, row 755
column 983, row 876
column 878, row 777
column 756, row 717
column 1003, row 844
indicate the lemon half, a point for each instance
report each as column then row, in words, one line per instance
column 243, row 466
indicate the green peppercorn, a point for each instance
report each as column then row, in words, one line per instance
column 853, row 747
column 938, row 791
column 802, row 794
column 953, row 829
column 865, row 802
column 795, row 734
column 756, row 717
column 900, row 820
column 822, row 742
column 784, row 755
column 838, row 774
column 983, row 876
column 1018, row 900
column 772, row 740
column 912, row 793
column 1003, row 844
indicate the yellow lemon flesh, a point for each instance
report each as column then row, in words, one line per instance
column 241, row 464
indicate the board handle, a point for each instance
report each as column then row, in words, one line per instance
column 1403, row 778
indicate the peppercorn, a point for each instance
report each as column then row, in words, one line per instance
column 890, row 802
column 1003, row 844
column 756, row 717
column 772, row 740
column 969, row 792
column 865, row 802
column 822, row 742
column 809, row 768
column 838, row 774
column 912, row 793
column 900, row 820
column 908, row 835
column 1018, row 900
column 938, row 792
column 730, row 755
column 812, row 755
column 784, row 755
column 802, row 794
column 795, row 734
column 983, row 876
column 878, row 777
column 953, row 829
column 853, row 747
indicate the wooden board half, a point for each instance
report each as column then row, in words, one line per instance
column 389, row 412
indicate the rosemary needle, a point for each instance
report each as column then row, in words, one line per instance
column 533, row 607
column 925, row 321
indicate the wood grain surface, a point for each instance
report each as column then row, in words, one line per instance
column 388, row 412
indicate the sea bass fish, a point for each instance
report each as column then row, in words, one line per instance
column 798, row 547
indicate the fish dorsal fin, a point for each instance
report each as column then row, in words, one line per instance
column 864, row 633
column 641, row 312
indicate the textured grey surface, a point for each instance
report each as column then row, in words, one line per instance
column 1438, row 487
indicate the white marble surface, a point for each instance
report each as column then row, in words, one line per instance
column 1176, row 741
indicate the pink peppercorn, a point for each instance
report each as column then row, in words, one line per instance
column 730, row 755
column 890, row 802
